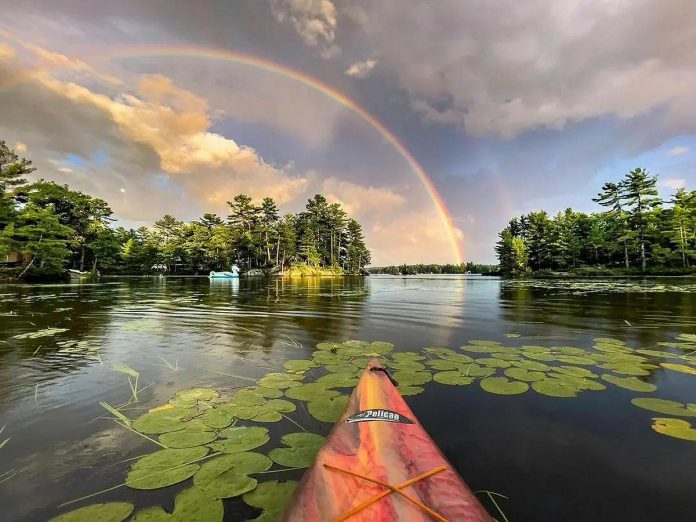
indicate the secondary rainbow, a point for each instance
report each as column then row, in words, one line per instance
column 327, row 90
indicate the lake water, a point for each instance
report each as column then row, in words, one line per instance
column 589, row 457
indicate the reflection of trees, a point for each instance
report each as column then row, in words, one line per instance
column 287, row 310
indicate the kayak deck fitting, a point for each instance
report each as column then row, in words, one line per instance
column 379, row 465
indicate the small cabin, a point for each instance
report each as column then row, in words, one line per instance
column 14, row 258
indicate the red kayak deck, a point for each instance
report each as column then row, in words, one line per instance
column 379, row 443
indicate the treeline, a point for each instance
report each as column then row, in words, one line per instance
column 463, row 268
column 636, row 232
column 48, row 227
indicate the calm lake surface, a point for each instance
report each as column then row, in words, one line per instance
column 590, row 457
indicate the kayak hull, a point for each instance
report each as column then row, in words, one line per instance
column 380, row 438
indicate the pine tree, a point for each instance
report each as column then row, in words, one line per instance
column 639, row 190
column 610, row 197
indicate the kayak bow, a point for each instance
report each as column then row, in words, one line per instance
column 379, row 464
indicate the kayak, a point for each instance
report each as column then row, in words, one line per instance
column 378, row 464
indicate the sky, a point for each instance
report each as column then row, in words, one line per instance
column 433, row 123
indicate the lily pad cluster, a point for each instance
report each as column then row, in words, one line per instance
column 221, row 444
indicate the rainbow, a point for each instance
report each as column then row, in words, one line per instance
column 313, row 83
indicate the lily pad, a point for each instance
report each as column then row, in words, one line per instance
column 626, row 369
column 440, row 352
column 524, row 375
column 539, row 356
column 483, row 348
column 301, row 451
column 331, row 346
column 310, row 391
column 280, row 381
column 665, row 406
column 503, row 386
column 555, row 388
column 216, row 418
column 191, row 505
column 328, row 409
column 677, row 428
column 164, row 468
column 575, row 371
column 228, row 476
column 408, row 391
column 241, row 439
column 338, row 380
column 272, row 410
column 380, row 347
column 453, row 378
column 532, row 366
column 679, row 368
column 249, row 397
column 492, row 362
column 659, row 353
column 444, row 364
column 298, row 365
column 187, row 439
column 576, row 359
column 109, row 512
column 407, row 356
column 412, row 378
column 189, row 398
column 272, row 497
column 46, row 332
column 164, row 421
column 409, row 365
column 629, row 383
column 569, row 350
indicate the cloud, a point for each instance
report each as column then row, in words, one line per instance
column 677, row 151
column 362, row 201
column 7, row 52
column 513, row 67
column 673, row 183
column 361, row 69
column 313, row 20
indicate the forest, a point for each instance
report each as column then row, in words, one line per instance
column 635, row 231
column 46, row 228
column 449, row 268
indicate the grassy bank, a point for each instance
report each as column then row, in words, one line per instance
column 586, row 272
column 302, row 270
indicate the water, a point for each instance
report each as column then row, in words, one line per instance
column 593, row 457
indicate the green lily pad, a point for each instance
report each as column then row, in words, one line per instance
column 273, row 497
column 228, row 476
column 301, row 451
column 380, row 347
column 575, row 371
column 503, row 386
column 677, row 428
column 626, row 369
column 164, row 468
column 338, row 380
column 280, row 381
column 46, row 332
column 187, row 439
column 248, row 397
column 109, row 512
column 331, row 346
column 310, row 391
column 532, row 366
column 539, row 356
column 405, row 365
column 479, row 342
column 240, row 411
column 555, row 388
column 217, row 418
column 241, row 439
column 682, row 368
column 412, row 378
column 689, row 338
column 327, row 409
column 659, row 353
column 629, row 383
column 353, row 343
column 665, row 406
column 453, row 378
column 191, row 397
column 343, row 368
column 272, row 410
column 298, row 365
column 408, row 356
column 408, row 391
column 610, row 348
column 440, row 352
column 507, row 356
column 492, row 362
column 444, row 365
column 483, row 348
column 164, row 421
column 569, row 350
column 267, row 393
column 524, row 375
column 190, row 505
column 608, row 340
column 579, row 383
column 576, row 359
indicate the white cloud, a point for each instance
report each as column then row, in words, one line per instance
column 677, row 151
column 361, row 69
column 314, row 21
column 65, row 170
column 674, row 183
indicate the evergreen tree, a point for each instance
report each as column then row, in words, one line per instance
column 639, row 190
column 610, row 196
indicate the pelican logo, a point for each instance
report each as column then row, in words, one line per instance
column 378, row 415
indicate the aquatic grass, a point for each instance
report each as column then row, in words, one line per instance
column 131, row 374
column 172, row 367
